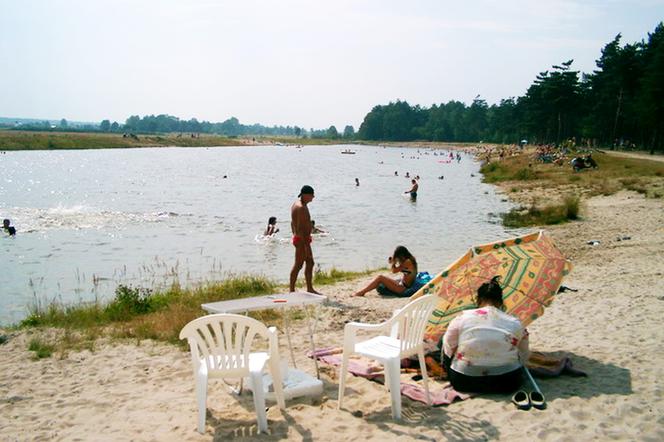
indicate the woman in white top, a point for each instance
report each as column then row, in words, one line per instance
column 484, row 348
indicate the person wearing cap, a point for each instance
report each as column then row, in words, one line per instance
column 301, row 226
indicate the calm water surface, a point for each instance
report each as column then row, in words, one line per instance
column 90, row 220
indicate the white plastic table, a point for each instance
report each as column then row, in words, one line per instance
column 274, row 301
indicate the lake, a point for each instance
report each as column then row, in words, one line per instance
column 89, row 220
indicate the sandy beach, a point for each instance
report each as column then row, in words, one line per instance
column 610, row 328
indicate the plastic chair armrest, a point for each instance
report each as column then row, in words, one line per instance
column 354, row 326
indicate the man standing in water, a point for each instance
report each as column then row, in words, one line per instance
column 413, row 191
column 301, row 226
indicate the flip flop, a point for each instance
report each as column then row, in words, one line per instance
column 521, row 400
column 537, row 400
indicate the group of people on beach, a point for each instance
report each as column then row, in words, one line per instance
column 483, row 349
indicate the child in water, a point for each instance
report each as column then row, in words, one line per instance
column 271, row 228
column 11, row 231
column 315, row 229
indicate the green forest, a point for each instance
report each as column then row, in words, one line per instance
column 620, row 104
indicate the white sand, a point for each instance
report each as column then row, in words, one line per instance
column 612, row 329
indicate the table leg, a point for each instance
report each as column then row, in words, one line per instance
column 311, row 336
column 290, row 346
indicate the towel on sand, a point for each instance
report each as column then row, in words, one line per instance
column 442, row 392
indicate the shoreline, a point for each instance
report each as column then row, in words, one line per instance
column 17, row 140
column 13, row 140
column 609, row 328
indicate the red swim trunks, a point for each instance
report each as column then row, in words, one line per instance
column 298, row 239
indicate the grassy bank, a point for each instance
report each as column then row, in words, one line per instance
column 27, row 140
column 553, row 194
column 139, row 313
column 35, row 140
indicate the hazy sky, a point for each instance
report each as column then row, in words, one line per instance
column 290, row 62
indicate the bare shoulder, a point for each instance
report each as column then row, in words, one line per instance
column 408, row 264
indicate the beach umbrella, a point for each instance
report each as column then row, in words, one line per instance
column 531, row 269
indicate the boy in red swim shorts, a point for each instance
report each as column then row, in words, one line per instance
column 301, row 227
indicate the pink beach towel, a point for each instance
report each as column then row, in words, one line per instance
column 442, row 392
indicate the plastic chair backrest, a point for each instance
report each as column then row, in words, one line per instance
column 412, row 320
column 223, row 342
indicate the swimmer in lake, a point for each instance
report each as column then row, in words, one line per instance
column 271, row 228
column 315, row 229
column 10, row 230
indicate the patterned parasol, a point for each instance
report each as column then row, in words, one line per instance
column 531, row 270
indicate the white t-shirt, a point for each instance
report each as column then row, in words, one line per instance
column 486, row 341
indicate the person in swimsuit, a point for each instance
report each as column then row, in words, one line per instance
column 401, row 261
column 11, row 231
column 271, row 228
column 315, row 229
column 301, row 227
column 413, row 190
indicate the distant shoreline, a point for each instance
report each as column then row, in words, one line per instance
column 13, row 140
column 16, row 140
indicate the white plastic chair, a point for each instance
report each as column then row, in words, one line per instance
column 220, row 347
column 406, row 334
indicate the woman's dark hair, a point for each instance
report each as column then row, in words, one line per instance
column 491, row 291
column 401, row 253
column 272, row 220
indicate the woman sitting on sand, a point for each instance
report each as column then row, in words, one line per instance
column 401, row 261
column 271, row 228
column 484, row 348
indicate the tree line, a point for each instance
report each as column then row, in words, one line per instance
column 231, row 127
column 621, row 103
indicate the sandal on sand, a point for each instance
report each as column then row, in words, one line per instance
column 521, row 400
column 537, row 400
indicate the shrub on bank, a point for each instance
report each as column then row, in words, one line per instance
column 42, row 349
column 139, row 313
column 130, row 302
column 568, row 210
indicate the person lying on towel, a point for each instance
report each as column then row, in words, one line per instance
column 401, row 261
column 484, row 348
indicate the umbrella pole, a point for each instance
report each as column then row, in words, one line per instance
column 530, row 378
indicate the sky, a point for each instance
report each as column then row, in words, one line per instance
column 291, row 62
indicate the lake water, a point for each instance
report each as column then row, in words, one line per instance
column 92, row 219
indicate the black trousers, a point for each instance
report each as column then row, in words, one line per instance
column 502, row 383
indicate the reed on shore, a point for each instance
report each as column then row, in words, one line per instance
column 140, row 313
